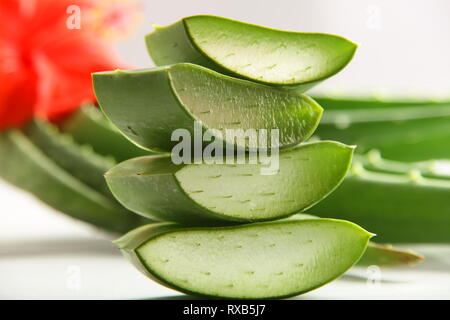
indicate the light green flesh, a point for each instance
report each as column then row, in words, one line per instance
column 25, row 166
column 249, row 51
column 261, row 260
column 89, row 126
column 222, row 103
column 305, row 177
column 155, row 187
column 149, row 105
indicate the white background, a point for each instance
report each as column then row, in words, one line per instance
column 404, row 51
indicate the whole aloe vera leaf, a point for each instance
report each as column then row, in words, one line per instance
column 149, row 105
column 157, row 188
column 89, row 126
column 287, row 59
column 405, row 134
column 373, row 161
column 25, row 166
column 398, row 207
column 78, row 160
column 384, row 255
column 375, row 103
column 260, row 260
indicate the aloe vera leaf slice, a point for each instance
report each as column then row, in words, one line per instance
column 260, row 260
column 385, row 255
column 149, row 105
column 157, row 188
column 382, row 255
column 78, row 160
column 25, row 166
column 274, row 57
column 89, row 126
column 399, row 208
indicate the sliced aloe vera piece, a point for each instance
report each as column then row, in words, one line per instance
column 157, row 188
column 260, row 260
column 288, row 59
column 25, row 166
column 149, row 105
column 80, row 161
column 89, row 126
column 398, row 207
column 384, row 255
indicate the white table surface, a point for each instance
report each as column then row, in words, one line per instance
column 46, row 255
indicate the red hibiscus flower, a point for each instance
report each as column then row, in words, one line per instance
column 45, row 65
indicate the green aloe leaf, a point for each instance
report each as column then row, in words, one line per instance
column 78, row 160
column 157, row 188
column 252, row 261
column 89, row 126
column 398, row 207
column 407, row 133
column 287, row 59
column 330, row 103
column 149, row 105
column 373, row 161
column 384, row 255
column 27, row 167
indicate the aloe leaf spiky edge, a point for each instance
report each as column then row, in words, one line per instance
column 25, row 166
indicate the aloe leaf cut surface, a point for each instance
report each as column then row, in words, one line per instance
column 25, row 166
column 89, row 126
column 149, row 105
column 397, row 207
column 288, row 59
column 260, row 260
column 157, row 188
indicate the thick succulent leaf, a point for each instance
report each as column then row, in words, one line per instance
column 89, row 126
column 373, row 161
column 384, row 255
column 78, row 160
column 344, row 103
column 288, row 59
column 415, row 133
column 155, row 187
column 252, row 261
column 25, row 166
column 149, row 105
column 398, row 207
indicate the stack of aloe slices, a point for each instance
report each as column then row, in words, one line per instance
column 226, row 233
column 211, row 247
